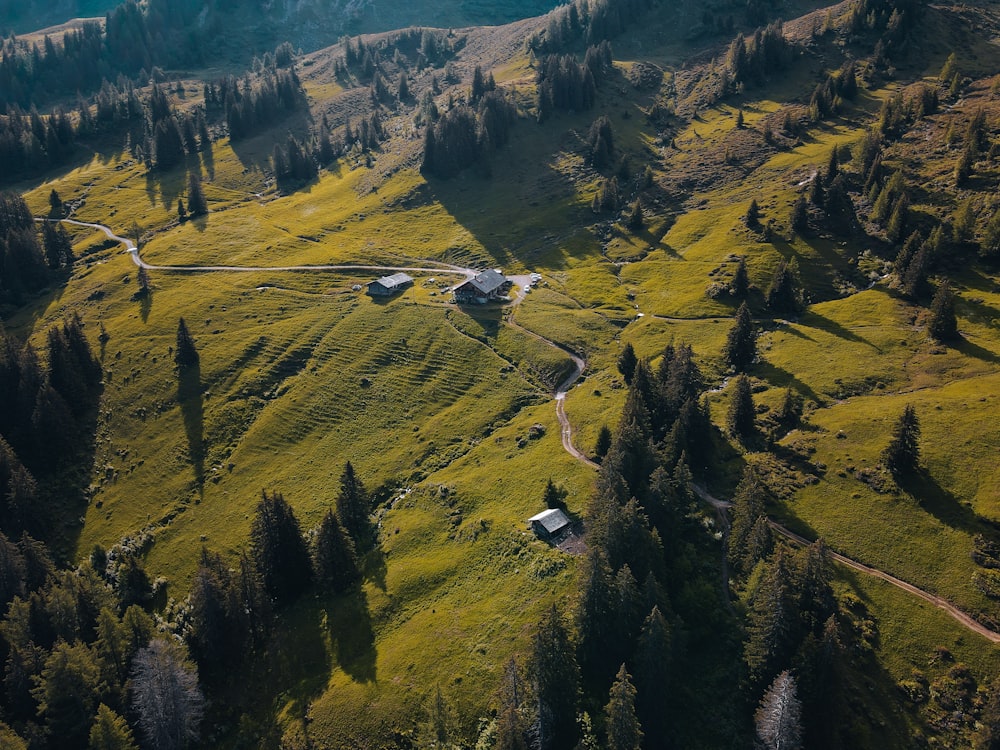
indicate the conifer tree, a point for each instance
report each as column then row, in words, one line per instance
column 748, row 508
column 67, row 692
column 635, row 221
column 902, row 455
column 741, row 343
column 943, row 326
column 622, row 725
column 898, row 219
column 740, row 285
column 779, row 717
column 653, row 680
column 555, row 678
column 511, row 731
column 603, row 443
column 752, row 216
column 335, row 563
column 784, row 295
column 627, row 362
column 197, row 205
column 771, row 633
column 185, row 353
column 279, row 550
column 832, row 166
column 741, row 415
column 55, row 203
column 354, row 511
column 110, row 732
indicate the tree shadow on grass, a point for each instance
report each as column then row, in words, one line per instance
column 373, row 568
column 352, row 636
column 191, row 401
column 943, row 505
column 784, row 379
column 969, row 349
column 812, row 320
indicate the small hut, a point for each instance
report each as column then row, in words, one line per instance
column 549, row 523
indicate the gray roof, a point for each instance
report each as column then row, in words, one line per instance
column 397, row 279
column 552, row 520
column 487, row 281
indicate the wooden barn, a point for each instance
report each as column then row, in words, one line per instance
column 389, row 285
column 484, row 287
column 549, row 523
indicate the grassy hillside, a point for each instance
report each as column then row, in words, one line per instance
column 446, row 413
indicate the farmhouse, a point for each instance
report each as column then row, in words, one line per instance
column 549, row 523
column 388, row 285
column 484, row 287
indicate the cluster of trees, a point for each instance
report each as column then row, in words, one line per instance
column 133, row 40
column 565, row 84
column 293, row 165
column 44, row 413
column 253, row 102
column 413, row 47
column 32, row 143
column 827, row 98
column 84, row 661
column 587, row 21
column 750, row 61
column 231, row 611
column 464, row 136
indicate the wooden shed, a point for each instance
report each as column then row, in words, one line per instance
column 549, row 523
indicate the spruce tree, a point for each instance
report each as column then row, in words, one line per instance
column 779, row 717
column 55, row 203
column 627, row 362
column 67, row 692
column 943, row 326
column 622, row 724
column 740, row 285
column 603, row 444
column 555, row 679
column 354, row 511
column 741, row 343
column 741, row 415
column 185, row 353
column 110, row 732
column 902, row 455
column 752, row 216
column 335, row 563
column 771, row 633
column 784, row 295
column 635, row 221
column 653, row 678
column 748, row 508
column 279, row 551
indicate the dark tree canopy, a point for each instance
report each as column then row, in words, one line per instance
column 741, row 343
column 354, row 510
column 627, row 362
column 279, row 550
column 555, row 678
column 740, row 419
column 902, row 455
column 943, row 326
column 784, row 296
column 197, row 205
column 335, row 563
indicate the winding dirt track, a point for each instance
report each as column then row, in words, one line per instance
column 566, row 428
column 957, row 614
column 133, row 251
